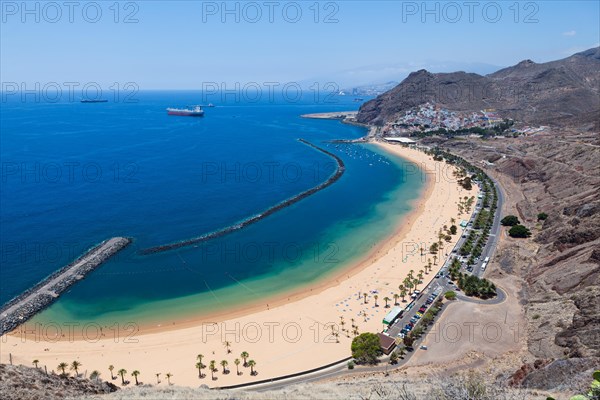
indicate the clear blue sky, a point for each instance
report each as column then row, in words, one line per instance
column 180, row 44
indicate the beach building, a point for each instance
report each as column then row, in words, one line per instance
column 387, row 343
column 401, row 140
column 463, row 224
column 394, row 313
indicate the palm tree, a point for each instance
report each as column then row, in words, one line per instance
column 376, row 297
column 342, row 322
column 355, row 332
column 337, row 337
column 416, row 283
column 365, row 297
column 352, row 320
column 135, row 375
column 199, row 365
column 224, row 364
column 421, row 249
column 252, row 364
column 365, row 315
column 403, row 293
column 396, row 296
column 111, row 368
column 411, row 285
column 95, row 375
column 227, row 346
column 429, row 263
column 62, row 366
column 169, row 375
column 213, row 368
column 386, row 299
column 420, row 275
column 158, row 378
column 122, row 372
column 245, row 356
column 401, row 351
column 452, row 221
column 74, row 366
column 237, row 366
column 35, row 362
column 434, row 259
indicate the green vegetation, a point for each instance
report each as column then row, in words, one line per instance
column 474, row 286
column 453, row 230
column 466, row 183
column 365, row 348
column 434, row 248
column 519, row 231
column 510, row 220
column 350, row 365
column 542, row 216
column 450, row 295
column 471, row 285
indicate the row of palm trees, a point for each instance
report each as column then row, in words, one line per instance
column 121, row 372
column 74, row 366
column 212, row 366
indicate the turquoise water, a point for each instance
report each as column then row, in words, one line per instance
column 164, row 179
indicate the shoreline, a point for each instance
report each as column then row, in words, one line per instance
column 297, row 330
column 327, row 281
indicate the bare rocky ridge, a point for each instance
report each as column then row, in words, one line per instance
column 557, row 173
column 562, row 92
column 24, row 383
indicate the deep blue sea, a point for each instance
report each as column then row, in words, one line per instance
column 76, row 174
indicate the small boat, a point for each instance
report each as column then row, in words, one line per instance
column 94, row 101
column 196, row 111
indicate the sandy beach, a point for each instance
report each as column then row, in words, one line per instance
column 292, row 333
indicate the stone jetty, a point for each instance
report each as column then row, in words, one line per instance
column 21, row 308
column 255, row 218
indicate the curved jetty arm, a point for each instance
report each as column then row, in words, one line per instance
column 240, row 225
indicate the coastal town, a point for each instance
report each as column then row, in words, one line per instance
column 431, row 118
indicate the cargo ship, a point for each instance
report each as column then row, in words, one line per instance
column 94, row 101
column 196, row 111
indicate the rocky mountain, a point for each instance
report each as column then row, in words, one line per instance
column 562, row 92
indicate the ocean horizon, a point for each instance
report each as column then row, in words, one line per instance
column 93, row 171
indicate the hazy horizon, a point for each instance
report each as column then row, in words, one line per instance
column 184, row 44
